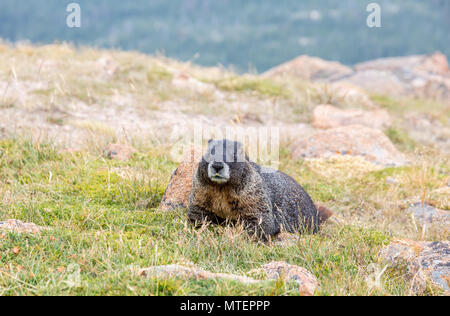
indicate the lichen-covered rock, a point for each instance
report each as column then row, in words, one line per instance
column 276, row 270
column 328, row 116
column 355, row 140
column 180, row 184
column 428, row 214
column 272, row 271
column 119, row 152
column 419, row 75
column 17, row 226
column 285, row 239
column 435, row 63
column 185, row 81
column 185, row 272
column 423, row 260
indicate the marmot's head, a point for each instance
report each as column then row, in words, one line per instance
column 224, row 162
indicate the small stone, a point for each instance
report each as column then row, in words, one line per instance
column 17, row 226
column 185, row 81
column 391, row 180
column 429, row 214
column 119, row 152
column 286, row 239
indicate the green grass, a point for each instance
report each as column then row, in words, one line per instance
column 401, row 139
column 264, row 87
column 104, row 227
column 158, row 73
column 399, row 106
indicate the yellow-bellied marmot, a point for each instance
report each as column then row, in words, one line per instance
column 228, row 186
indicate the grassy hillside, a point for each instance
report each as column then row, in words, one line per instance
column 235, row 32
column 102, row 216
column 105, row 227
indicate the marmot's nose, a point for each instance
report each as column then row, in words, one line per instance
column 217, row 166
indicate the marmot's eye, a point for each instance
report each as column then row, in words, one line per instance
column 213, row 151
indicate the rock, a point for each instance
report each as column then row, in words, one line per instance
column 185, row 81
column 423, row 260
column 180, row 184
column 286, row 239
column 419, row 76
column 377, row 82
column 355, row 140
column 271, row 271
column 17, row 226
column 68, row 151
column 328, row 116
column 107, row 66
column 428, row 129
column 429, row 214
column 184, row 272
column 119, row 152
column 435, row 63
column 275, row 270
column 341, row 166
column 309, row 68
column 391, row 180
column 347, row 94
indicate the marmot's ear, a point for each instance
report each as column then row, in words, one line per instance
column 241, row 152
column 210, row 141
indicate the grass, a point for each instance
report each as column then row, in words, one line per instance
column 264, row 87
column 104, row 227
column 401, row 139
column 438, row 109
column 102, row 215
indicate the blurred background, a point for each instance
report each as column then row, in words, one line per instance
column 250, row 34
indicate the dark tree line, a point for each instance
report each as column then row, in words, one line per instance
column 238, row 32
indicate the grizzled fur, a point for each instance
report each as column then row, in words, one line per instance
column 229, row 187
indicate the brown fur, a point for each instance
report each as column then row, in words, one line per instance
column 266, row 201
column 324, row 213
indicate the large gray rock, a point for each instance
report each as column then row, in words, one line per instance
column 16, row 226
column 355, row 140
column 272, row 271
column 429, row 214
column 424, row 261
column 419, row 75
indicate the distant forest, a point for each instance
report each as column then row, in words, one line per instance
column 246, row 34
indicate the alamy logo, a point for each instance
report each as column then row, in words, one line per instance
column 262, row 144
column 374, row 18
column 74, row 17
column 374, row 277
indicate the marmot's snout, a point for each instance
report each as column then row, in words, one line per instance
column 223, row 162
column 229, row 186
column 219, row 172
